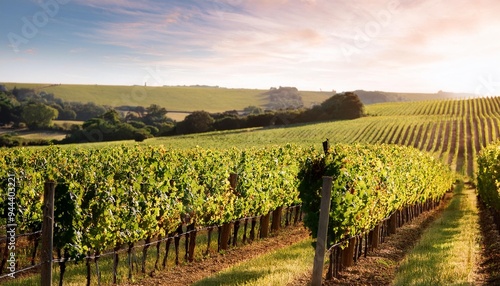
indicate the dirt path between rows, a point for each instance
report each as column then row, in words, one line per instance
column 192, row 272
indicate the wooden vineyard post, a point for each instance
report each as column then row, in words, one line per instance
column 252, row 229
column 324, row 216
column 264, row 225
column 298, row 210
column 225, row 235
column 226, row 228
column 348, row 253
column 326, row 146
column 233, row 181
column 177, row 240
column 276, row 223
column 376, row 237
column 47, row 233
column 192, row 241
column 235, row 232
column 392, row 223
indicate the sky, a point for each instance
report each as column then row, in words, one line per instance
column 342, row 45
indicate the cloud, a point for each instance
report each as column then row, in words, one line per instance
column 285, row 40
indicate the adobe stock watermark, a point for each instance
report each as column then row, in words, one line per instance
column 32, row 25
column 487, row 86
column 11, row 224
column 371, row 29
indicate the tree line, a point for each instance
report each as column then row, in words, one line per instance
column 26, row 108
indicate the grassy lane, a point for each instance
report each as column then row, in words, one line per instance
column 276, row 268
column 449, row 251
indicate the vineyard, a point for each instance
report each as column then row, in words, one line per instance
column 110, row 198
column 452, row 130
column 113, row 197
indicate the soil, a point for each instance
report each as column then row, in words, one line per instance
column 192, row 272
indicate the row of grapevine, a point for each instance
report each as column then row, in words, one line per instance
column 111, row 197
column 488, row 179
column 370, row 183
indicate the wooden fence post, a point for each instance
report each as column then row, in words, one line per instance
column 393, row 223
column 324, row 216
column 192, row 240
column 326, row 146
column 276, row 223
column 348, row 253
column 233, row 181
column 225, row 235
column 376, row 236
column 47, row 233
column 226, row 228
column 264, row 225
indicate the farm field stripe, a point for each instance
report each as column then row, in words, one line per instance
column 418, row 138
column 387, row 133
column 404, row 133
column 453, row 142
column 397, row 134
column 425, row 136
column 432, row 136
column 409, row 139
column 469, row 136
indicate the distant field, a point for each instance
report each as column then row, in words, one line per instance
column 67, row 122
column 179, row 98
column 172, row 98
column 44, row 135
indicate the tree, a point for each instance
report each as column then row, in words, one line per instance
column 6, row 109
column 67, row 114
column 196, row 122
column 38, row 115
column 87, row 111
column 252, row 109
column 284, row 98
column 155, row 114
column 227, row 123
column 110, row 127
column 112, row 117
column 343, row 106
column 351, row 106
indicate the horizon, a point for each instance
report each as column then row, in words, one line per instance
column 223, row 87
column 314, row 45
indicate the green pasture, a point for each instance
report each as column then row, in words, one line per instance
column 173, row 98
